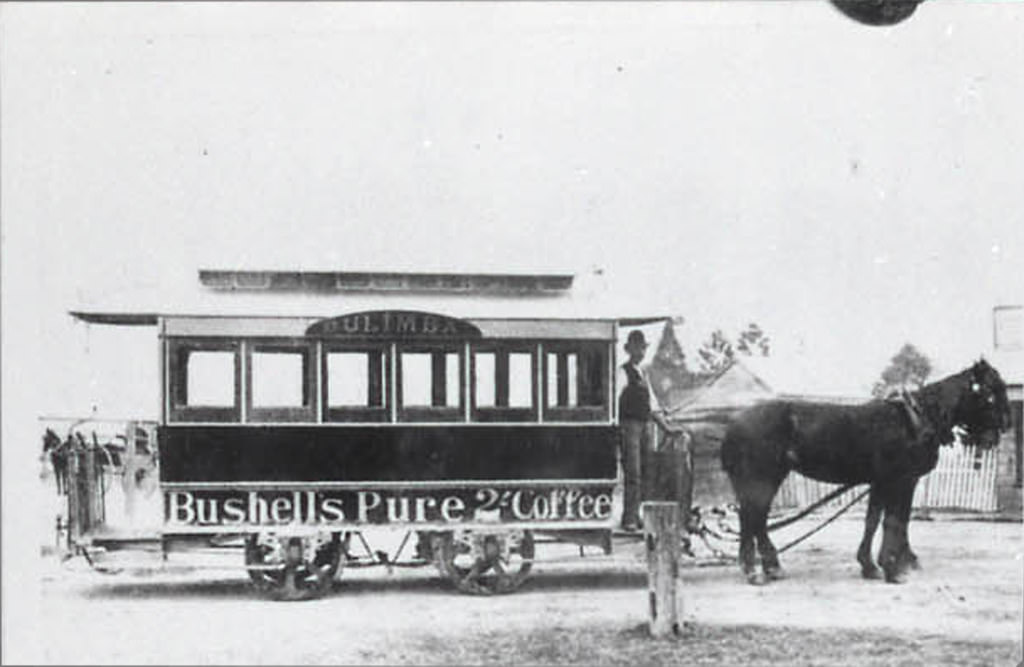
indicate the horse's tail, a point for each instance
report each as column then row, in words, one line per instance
column 731, row 453
column 777, row 422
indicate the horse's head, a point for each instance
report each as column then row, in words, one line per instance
column 51, row 440
column 983, row 408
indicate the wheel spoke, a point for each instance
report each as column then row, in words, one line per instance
column 495, row 568
column 473, row 573
column 300, row 580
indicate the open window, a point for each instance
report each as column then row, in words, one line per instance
column 576, row 381
column 354, row 386
column 280, row 382
column 504, row 383
column 205, row 380
column 430, row 386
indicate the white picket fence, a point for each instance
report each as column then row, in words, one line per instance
column 964, row 478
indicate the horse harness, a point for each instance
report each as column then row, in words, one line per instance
column 912, row 410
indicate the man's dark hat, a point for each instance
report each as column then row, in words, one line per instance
column 635, row 338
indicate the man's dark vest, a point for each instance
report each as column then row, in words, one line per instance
column 635, row 399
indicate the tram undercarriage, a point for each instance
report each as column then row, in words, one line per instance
column 286, row 565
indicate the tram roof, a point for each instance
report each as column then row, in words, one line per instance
column 601, row 328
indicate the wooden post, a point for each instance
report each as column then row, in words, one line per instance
column 87, row 469
column 130, row 465
column 73, row 489
column 662, row 530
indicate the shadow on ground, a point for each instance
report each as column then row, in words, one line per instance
column 121, row 586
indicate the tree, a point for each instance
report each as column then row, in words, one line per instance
column 718, row 352
column 753, row 338
column 908, row 368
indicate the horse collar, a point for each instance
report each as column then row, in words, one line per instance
column 913, row 411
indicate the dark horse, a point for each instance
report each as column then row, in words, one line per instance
column 887, row 444
column 58, row 454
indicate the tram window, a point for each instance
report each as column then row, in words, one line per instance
column 355, row 379
column 563, row 380
column 486, row 382
column 520, row 380
column 279, row 379
column 203, row 380
column 576, row 382
column 503, row 386
column 211, row 379
column 430, row 386
column 354, row 386
column 430, row 379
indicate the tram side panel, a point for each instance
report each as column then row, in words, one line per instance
column 252, row 477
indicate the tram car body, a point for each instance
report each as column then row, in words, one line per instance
column 297, row 435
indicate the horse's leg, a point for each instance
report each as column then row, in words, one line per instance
column 907, row 557
column 868, row 569
column 769, row 555
column 894, row 539
column 59, row 472
column 747, row 543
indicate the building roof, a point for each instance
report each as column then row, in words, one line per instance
column 748, row 380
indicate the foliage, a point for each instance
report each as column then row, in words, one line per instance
column 718, row 352
column 909, row 368
column 753, row 339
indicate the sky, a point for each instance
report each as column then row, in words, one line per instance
column 849, row 188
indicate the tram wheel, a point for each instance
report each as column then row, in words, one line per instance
column 281, row 568
column 484, row 563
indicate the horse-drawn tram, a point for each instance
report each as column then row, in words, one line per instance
column 298, row 437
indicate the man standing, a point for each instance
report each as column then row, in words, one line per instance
column 638, row 408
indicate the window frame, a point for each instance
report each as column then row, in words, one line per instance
column 582, row 413
column 282, row 413
column 420, row 413
column 504, row 413
column 356, row 413
column 177, row 373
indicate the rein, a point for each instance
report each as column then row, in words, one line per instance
column 841, row 511
column 705, row 531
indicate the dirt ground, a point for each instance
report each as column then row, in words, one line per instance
column 963, row 607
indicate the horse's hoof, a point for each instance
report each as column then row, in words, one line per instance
column 895, row 578
column 774, row 573
column 756, row 579
column 871, row 573
column 914, row 564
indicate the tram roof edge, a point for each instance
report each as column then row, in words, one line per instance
column 152, row 319
column 121, row 319
column 384, row 281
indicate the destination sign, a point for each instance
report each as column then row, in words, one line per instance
column 370, row 506
column 394, row 324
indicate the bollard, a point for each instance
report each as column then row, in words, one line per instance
column 662, row 530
